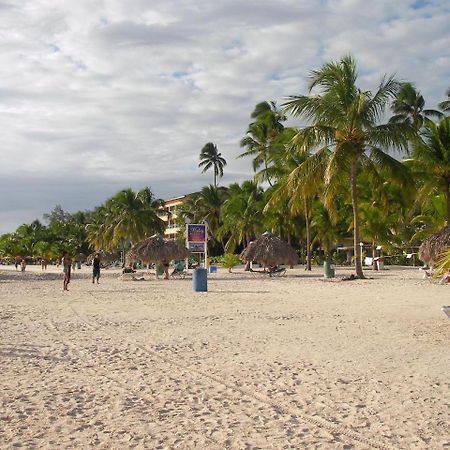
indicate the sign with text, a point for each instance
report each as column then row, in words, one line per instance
column 196, row 237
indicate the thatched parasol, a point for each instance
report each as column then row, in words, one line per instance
column 157, row 249
column 269, row 250
column 434, row 246
column 105, row 257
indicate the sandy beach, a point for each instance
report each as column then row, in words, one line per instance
column 254, row 363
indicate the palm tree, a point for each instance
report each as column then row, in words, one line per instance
column 346, row 135
column 409, row 105
column 210, row 157
column 126, row 217
column 261, row 139
column 287, row 191
column 430, row 158
column 445, row 105
column 241, row 214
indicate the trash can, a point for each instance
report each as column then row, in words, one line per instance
column 380, row 263
column 212, row 269
column 199, row 280
column 328, row 270
column 78, row 264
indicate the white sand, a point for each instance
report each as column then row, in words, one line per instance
column 254, row 363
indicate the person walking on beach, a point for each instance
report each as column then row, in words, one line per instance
column 166, row 266
column 66, row 262
column 96, row 268
column 23, row 265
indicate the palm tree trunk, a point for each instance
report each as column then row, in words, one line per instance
column 308, row 236
column 447, row 198
column 374, row 254
column 356, row 246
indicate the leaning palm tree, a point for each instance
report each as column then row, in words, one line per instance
column 346, row 135
column 211, row 158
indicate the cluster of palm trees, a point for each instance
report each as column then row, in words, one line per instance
column 124, row 219
column 336, row 176
column 349, row 171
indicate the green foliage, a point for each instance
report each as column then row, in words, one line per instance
column 229, row 261
column 443, row 264
column 211, row 158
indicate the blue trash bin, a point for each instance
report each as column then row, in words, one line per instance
column 200, row 280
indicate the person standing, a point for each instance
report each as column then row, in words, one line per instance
column 66, row 262
column 166, row 266
column 96, row 268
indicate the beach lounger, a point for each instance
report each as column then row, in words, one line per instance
column 271, row 271
column 178, row 273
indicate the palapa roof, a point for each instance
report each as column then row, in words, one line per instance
column 157, row 249
column 432, row 247
column 269, row 250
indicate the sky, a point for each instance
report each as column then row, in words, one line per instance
column 101, row 95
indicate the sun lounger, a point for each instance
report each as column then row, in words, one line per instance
column 178, row 273
column 271, row 271
column 446, row 310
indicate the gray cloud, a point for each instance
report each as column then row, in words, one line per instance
column 98, row 96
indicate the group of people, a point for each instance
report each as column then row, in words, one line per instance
column 20, row 262
column 66, row 262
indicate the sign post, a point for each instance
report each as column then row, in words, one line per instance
column 196, row 239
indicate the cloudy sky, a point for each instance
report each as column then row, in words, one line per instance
column 99, row 95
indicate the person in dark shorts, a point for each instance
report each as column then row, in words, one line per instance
column 96, row 268
column 66, row 262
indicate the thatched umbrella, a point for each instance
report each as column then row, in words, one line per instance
column 434, row 246
column 156, row 249
column 105, row 257
column 269, row 250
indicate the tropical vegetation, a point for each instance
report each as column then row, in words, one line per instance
column 356, row 169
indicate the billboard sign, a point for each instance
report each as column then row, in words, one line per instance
column 196, row 237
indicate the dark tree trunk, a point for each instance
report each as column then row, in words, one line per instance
column 447, row 198
column 308, row 236
column 356, row 246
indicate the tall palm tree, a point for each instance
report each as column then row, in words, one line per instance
column 346, row 135
column 261, row 140
column 210, row 157
column 409, row 106
column 287, row 191
column 430, row 159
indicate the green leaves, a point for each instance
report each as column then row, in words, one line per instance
column 210, row 157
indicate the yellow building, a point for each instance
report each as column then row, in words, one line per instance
column 169, row 215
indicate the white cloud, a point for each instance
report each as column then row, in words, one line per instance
column 97, row 96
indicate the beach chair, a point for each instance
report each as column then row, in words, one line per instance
column 179, row 272
column 446, row 311
column 271, row 272
column 277, row 271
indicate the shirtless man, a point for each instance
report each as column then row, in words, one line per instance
column 66, row 262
